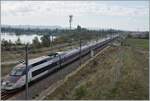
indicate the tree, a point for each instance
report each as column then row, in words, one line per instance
column 4, row 42
column 79, row 28
column 18, row 41
column 45, row 40
column 36, row 43
column 6, row 45
column 10, row 42
column 147, row 35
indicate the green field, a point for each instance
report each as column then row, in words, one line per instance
column 139, row 43
column 120, row 73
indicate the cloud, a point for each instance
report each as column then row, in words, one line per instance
column 15, row 8
column 86, row 13
column 78, row 8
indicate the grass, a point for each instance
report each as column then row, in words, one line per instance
column 139, row 43
column 120, row 73
column 6, row 69
column 80, row 91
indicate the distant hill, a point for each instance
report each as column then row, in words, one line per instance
column 32, row 27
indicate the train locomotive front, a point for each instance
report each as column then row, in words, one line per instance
column 37, row 67
column 15, row 79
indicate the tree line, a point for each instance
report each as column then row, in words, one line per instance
column 36, row 43
column 63, row 36
column 141, row 35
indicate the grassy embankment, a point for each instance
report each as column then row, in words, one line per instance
column 138, row 43
column 120, row 72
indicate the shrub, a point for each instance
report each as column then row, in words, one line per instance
column 80, row 92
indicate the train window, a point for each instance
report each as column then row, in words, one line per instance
column 17, row 72
column 36, row 72
column 38, row 63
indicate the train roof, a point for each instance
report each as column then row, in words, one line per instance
column 84, row 46
column 31, row 61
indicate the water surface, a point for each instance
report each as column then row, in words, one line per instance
column 23, row 38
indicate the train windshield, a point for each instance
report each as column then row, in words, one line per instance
column 17, row 72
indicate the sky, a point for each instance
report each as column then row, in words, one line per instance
column 124, row 15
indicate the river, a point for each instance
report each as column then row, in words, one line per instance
column 24, row 38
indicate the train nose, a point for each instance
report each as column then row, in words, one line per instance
column 9, row 82
column 6, row 85
column 12, row 79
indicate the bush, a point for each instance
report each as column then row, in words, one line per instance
column 80, row 92
column 36, row 43
column 45, row 40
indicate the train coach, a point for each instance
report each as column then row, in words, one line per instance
column 43, row 65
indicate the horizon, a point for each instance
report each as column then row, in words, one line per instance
column 120, row 15
column 90, row 28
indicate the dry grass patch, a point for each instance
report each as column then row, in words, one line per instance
column 118, row 73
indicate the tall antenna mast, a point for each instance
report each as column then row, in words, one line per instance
column 70, row 20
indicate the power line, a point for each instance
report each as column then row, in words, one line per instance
column 80, row 53
column 26, row 58
column 70, row 20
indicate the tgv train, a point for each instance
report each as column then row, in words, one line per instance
column 43, row 65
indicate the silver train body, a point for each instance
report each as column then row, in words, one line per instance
column 41, row 66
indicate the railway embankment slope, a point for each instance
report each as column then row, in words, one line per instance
column 120, row 72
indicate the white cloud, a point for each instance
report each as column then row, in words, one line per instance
column 86, row 13
column 77, row 8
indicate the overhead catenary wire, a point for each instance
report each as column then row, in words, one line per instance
column 26, row 59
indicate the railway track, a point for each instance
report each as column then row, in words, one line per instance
column 6, row 94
